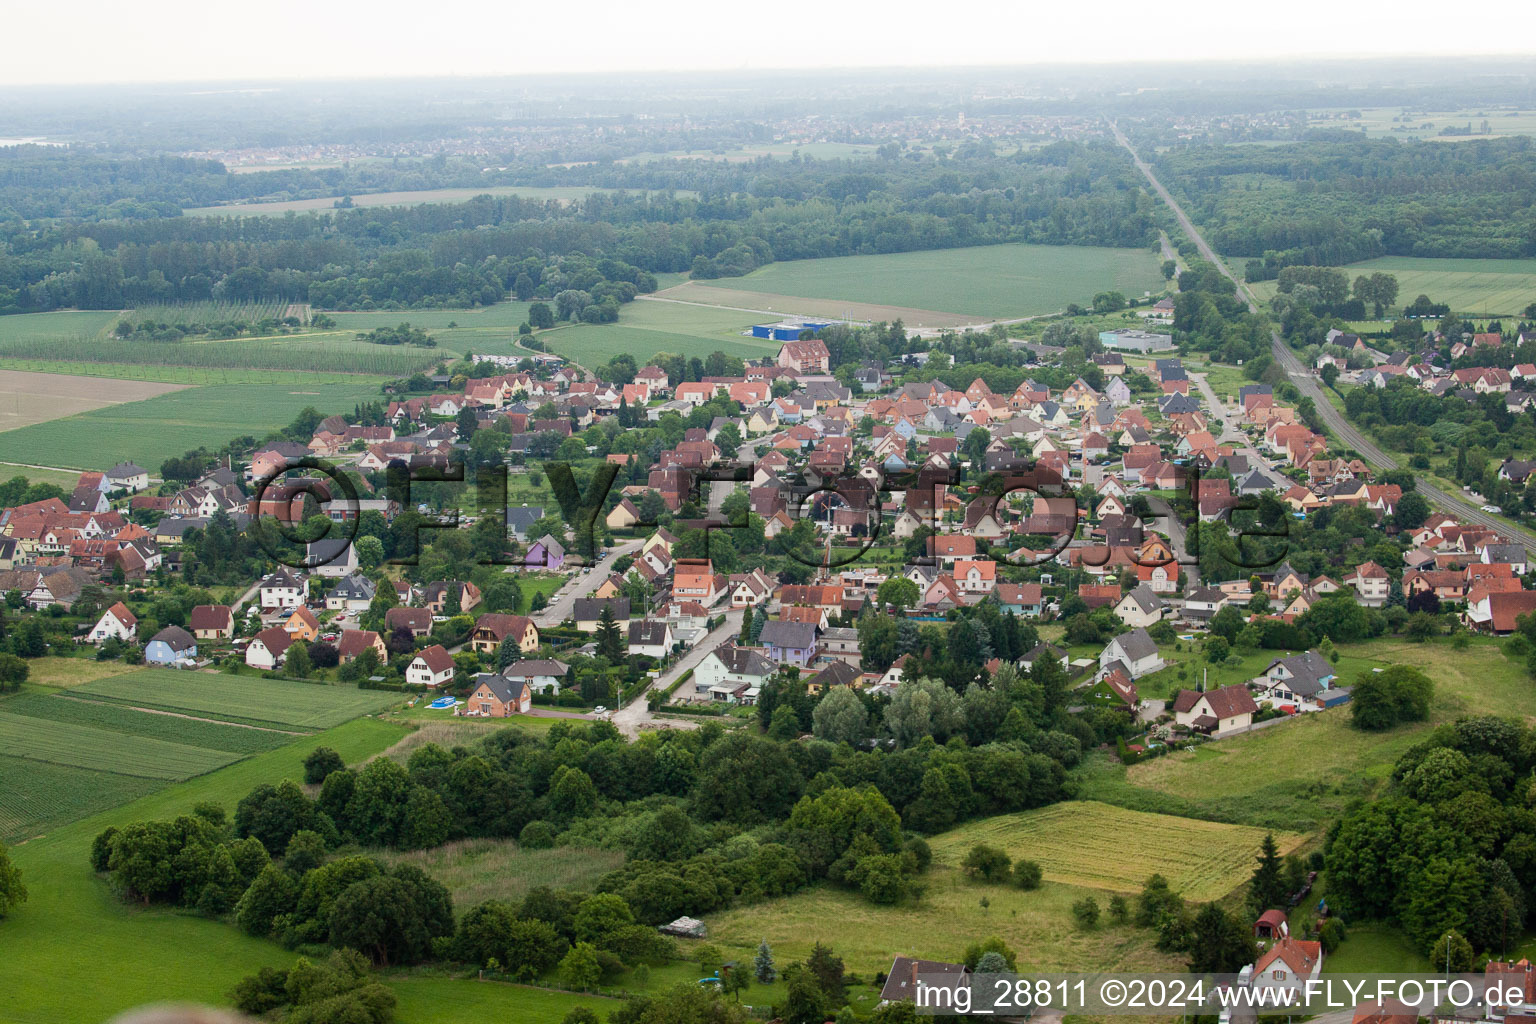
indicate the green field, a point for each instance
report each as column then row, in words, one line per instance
column 71, row 753
column 73, row 927
column 279, row 703
column 129, row 721
column 648, row 326
column 561, row 194
column 82, row 746
column 150, row 431
column 1097, row 846
column 197, row 314
column 992, row 281
column 87, row 338
column 38, row 796
column 1486, row 287
column 1404, row 123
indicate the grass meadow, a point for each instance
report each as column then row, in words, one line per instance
column 648, row 326
column 476, row 870
column 1470, row 286
column 1300, row 774
column 1098, row 846
column 991, row 281
column 949, row 917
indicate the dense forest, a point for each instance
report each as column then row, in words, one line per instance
column 1338, row 197
column 87, row 232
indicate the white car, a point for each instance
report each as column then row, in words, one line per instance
column 599, row 710
column 1493, row 509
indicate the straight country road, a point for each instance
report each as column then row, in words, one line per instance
column 1337, row 424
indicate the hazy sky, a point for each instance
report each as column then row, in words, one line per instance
column 181, row 40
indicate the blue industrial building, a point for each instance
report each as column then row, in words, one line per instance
column 789, row 330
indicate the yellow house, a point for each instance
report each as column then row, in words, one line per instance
column 661, row 539
column 762, row 420
column 623, row 516
column 302, row 625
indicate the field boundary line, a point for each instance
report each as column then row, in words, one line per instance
column 110, row 703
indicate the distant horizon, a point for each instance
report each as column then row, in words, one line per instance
column 238, row 84
column 176, row 42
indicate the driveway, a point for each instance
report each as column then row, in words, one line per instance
column 561, row 602
column 636, row 715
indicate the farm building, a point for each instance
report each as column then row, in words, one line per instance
column 789, row 330
column 1136, row 341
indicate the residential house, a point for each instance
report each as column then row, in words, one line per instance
column 126, row 476
column 1045, row 650
column 732, row 675
column 1202, row 603
column 1134, row 653
column 1371, row 583
column 587, row 612
column 497, row 696
column 432, row 667
column 1215, row 712
column 545, row 553
column 1287, row 966
column 1297, row 679
column 840, row 643
column 352, row 596
column 417, row 620
column 333, row 557
column 301, row 624
column 789, row 643
column 117, row 621
column 650, row 638
column 282, row 590
column 170, row 645
column 1020, row 598
column 441, row 595
column 212, row 622
column 493, row 628
column 693, row 579
column 354, row 642
column 267, row 648
column 1140, row 607
column 541, row 675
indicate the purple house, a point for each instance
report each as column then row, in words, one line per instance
column 545, row 553
column 789, row 643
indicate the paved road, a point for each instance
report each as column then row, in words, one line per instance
column 1168, row 520
column 636, row 715
column 1341, row 428
column 581, row 585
